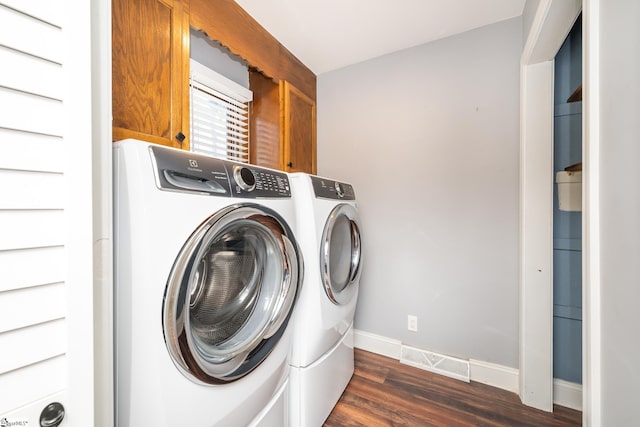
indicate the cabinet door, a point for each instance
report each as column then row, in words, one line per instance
column 264, row 122
column 150, row 69
column 298, row 130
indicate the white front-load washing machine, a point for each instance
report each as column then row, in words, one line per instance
column 328, row 230
column 207, row 274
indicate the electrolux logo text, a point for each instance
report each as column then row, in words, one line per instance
column 193, row 166
column 5, row 422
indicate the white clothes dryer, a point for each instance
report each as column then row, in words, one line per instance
column 207, row 274
column 328, row 230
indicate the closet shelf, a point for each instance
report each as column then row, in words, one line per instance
column 574, row 168
column 576, row 95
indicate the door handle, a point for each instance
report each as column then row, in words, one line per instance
column 52, row 415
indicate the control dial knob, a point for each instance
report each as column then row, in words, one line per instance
column 244, row 178
column 339, row 190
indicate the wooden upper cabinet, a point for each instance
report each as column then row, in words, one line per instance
column 226, row 22
column 298, row 130
column 264, row 122
column 150, row 71
column 283, row 134
column 283, row 116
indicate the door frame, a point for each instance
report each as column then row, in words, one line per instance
column 103, row 398
column 88, row 140
column 552, row 22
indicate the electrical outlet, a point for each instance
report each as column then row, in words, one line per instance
column 412, row 323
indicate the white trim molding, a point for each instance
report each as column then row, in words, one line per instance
column 567, row 394
column 377, row 344
column 494, row 375
column 591, row 287
column 552, row 22
column 503, row 377
column 536, row 236
column 499, row 376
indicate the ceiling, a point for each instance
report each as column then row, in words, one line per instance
column 330, row 34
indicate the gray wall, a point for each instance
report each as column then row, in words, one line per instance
column 528, row 14
column 429, row 137
column 620, row 210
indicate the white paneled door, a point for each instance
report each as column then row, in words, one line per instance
column 46, row 261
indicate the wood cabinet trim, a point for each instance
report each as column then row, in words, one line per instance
column 150, row 88
column 286, row 90
column 229, row 24
column 163, row 96
column 184, row 41
column 265, row 122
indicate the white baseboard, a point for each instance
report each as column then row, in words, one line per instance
column 567, row 394
column 488, row 373
column 494, row 375
column 506, row 378
column 377, row 344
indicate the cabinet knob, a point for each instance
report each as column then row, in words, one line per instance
column 290, row 164
column 180, row 136
column 52, row 415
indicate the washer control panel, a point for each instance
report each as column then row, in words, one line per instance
column 330, row 189
column 259, row 182
column 184, row 171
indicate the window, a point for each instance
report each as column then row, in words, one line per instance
column 219, row 115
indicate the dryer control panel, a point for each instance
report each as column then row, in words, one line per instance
column 330, row 189
column 184, row 171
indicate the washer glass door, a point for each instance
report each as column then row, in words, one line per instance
column 340, row 254
column 231, row 293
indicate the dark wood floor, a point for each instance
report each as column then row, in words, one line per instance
column 384, row 392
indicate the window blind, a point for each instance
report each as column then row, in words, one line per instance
column 219, row 115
